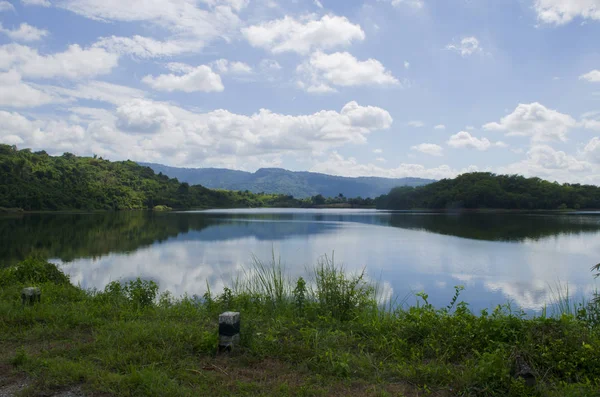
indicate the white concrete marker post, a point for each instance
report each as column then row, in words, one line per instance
column 31, row 295
column 229, row 331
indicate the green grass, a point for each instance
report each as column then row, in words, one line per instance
column 326, row 335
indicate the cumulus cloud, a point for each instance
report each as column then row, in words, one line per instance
column 546, row 162
column 6, row 6
column 560, row 12
column 592, row 77
column 51, row 134
column 269, row 65
column 429, row 148
column 200, row 78
column 415, row 124
column 143, row 129
column 16, row 93
column 25, row 32
column 304, row 35
column 536, row 121
column 337, row 164
column 143, row 116
column 377, row 151
column 342, row 69
column 74, row 63
column 465, row 140
column 467, row 46
column 223, row 66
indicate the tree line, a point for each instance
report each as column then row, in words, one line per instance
column 480, row 190
column 36, row 181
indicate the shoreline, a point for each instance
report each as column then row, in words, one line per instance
column 327, row 335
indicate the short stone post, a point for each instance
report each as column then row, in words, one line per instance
column 31, row 295
column 229, row 330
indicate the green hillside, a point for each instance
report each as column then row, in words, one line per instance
column 280, row 181
column 487, row 190
column 37, row 181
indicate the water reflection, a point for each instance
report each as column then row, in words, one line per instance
column 497, row 257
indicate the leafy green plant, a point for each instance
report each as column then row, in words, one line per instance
column 33, row 270
column 300, row 294
column 141, row 293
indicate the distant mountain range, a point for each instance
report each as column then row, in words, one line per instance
column 277, row 180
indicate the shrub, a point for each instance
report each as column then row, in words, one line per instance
column 33, row 270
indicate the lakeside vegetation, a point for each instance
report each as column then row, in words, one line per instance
column 480, row 190
column 36, row 181
column 326, row 335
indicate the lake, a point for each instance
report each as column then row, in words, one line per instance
column 497, row 257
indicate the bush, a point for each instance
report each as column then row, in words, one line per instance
column 33, row 270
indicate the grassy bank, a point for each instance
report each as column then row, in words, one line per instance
column 326, row 335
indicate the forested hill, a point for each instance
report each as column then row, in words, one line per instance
column 36, row 181
column 486, row 190
column 280, row 181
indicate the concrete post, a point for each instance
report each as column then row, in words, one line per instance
column 31, row 295
column 229, row 330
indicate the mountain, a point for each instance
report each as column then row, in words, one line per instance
column 486, row 190
column 280, row 181
column 36, row 181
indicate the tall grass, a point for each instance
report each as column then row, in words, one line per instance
column 327, row 335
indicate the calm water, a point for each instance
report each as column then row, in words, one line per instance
column 497, row 257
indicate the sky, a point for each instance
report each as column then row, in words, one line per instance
column 392, row 88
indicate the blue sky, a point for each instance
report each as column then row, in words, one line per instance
column 424, row 88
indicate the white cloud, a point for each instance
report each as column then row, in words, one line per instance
column 560, row 12
column 592, row 150
column 43, row 3
column 467, row 46
column 545, row 162
column 465, row 140
column 381, row 160
column 6, row 6
column 269, row 65
column 200, row 78
column 25, row 32
column 73, row 63
column 439, row 127
column 16, row 93
column 406, row 65
column 592, row 77
column 146, row 47
column 377, row 151
column 143, row 116
column 304, row 35
column 322, row 71
column 411, row 3
column 191, row 27
column 536, row 121
column 224, row 66
column 548, row 158
column 469, row 128
column 416, row 124
column 429, row 148
column 57, row 136
column 336, row 164
column 318, row 3
column 142, row 129
column 96, row 91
